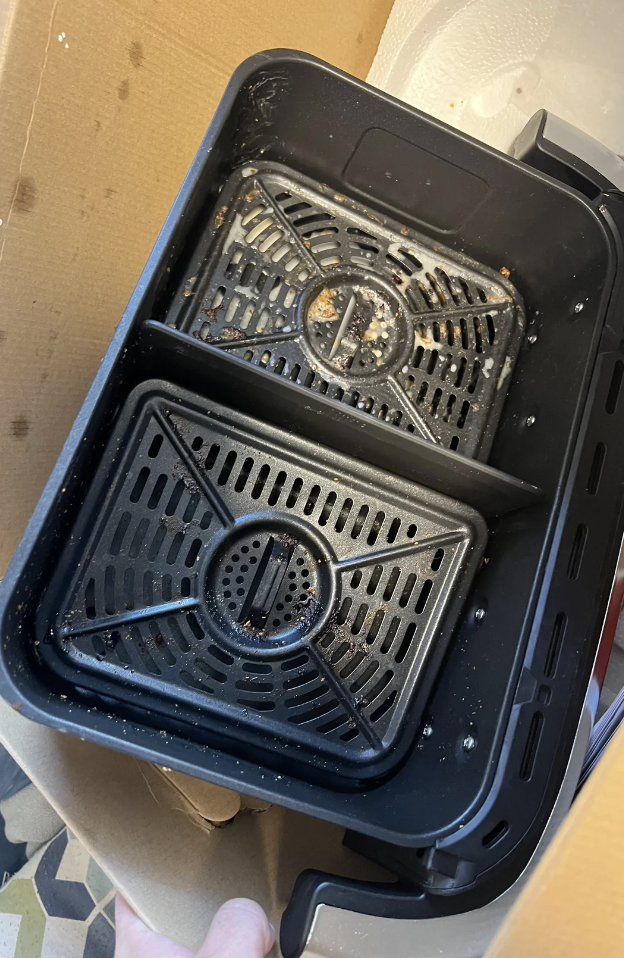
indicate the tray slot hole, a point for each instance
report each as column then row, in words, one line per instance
column 312, row 499
column 278, row 485
column 139, row 485
column 406, row 643
column 576, row 553
column 260, row 483
column 530, row 749
column 374, row 580
column 393, row 531
column 596, row 468
column 359, row 521
column 391, row 585
column 327, row 509
column 614, row 388
column 385, row 706
column 556, row 642
column 376, row 527
column 120, row 532
column 423, row 598
column 213, row 453
column 495, row 834
column 294, row 493
column 90, row 599
column 155, row 445
column 390, row 635
column 365, row 677
column 343, row 516
column 408, row 588
column 378, row 687
column 178, row 636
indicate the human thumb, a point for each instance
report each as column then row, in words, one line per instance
column 239, row 929
column 135, row 940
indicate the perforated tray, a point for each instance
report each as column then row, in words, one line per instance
column 262, row 579
column 311, row 286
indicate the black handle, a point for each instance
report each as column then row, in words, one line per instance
column 314, row 888
column 554, row 146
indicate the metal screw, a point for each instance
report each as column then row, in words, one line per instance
column 532, row 338
column 427, row 732
column 480, row 614
column 531, row 420
column 469, row 743
column 603, row 209
column 578, row 308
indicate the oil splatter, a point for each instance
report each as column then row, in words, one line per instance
column 135, row 52
column 25, row 194
column 20, row 427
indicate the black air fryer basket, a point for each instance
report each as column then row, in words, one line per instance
column 272, row 553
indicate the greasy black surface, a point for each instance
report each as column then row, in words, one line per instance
column 265, row 581
column 310, row 286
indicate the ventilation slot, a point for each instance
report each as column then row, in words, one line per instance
column 174, row 499
column 244, row 474
column 596, row 468
column 406, row 643
column 365, row 677
column 90, row 599
column 327, row 509
column 210, row 671
column 139, row 485
column 157, row 491
column 499, row 831
column 614, row 388
column 554, row 648
column 258, row 488
column 385, row 706
column 278, row 485
column 294, row 493
column 576, row 553
column 423, row 598
column 211, row 458
column 359, row 522
column 155, row 445
column 227, row 467
column 341, row 521
column 120, row 532
column 530, row 749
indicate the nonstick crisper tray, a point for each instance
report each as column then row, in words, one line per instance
column 311, row 286
column 259, row 578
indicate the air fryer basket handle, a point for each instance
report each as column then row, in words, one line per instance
column 314, row 888
column 554, row 146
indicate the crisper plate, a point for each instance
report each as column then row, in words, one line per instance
column 266, row 580
column 309, row 285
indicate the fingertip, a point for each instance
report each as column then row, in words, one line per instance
column 239, row 929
